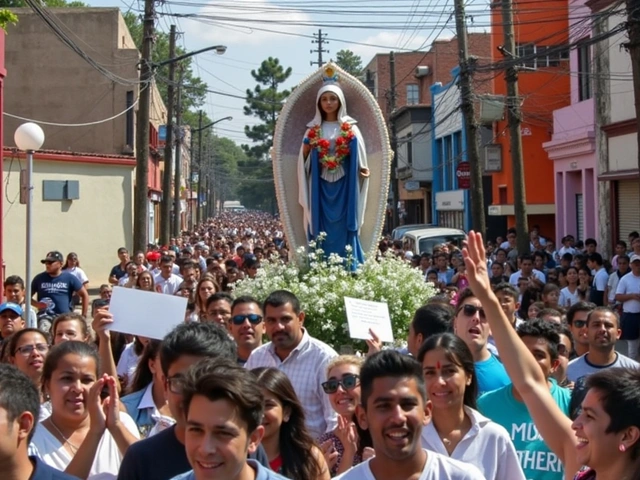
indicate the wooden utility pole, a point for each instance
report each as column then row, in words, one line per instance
column 165, row 205
column 199, row 183
column 633, row 47
column 178, row 157
column 391, row 107
column 141, row 193
column 321, row 40
column 467, row 105
column 514, row 119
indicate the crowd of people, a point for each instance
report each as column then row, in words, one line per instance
column 521, row 367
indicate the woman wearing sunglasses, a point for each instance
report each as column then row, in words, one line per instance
column 457, row 429
column 470, row 324
column 290, row 449
column 344, row 447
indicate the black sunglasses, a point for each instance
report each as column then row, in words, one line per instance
column 580, row 323
column 470, row 310
column 348, row 382
column 254, row 319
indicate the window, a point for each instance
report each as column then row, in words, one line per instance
column 409, row 150
column 448, row 163
column 584, row 70
column 539, row 56
column 413, row 94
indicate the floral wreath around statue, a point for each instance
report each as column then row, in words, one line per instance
column 322, row 145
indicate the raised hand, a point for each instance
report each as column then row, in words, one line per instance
column 347, row 434
column 476, row 262
column 374, row 344
column 330, row 453
column 111, row 404
column 102, row 321
column 97, row 417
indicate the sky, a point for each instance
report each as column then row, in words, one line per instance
column 253, row 30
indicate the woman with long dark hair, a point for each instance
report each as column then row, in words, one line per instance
column 457, row 429
column 571, row 294
column 344, row 446
column 287, row 442
column 145, row 401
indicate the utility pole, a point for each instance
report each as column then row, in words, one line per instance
column 467, row 105
column 199, row 168
column 514, row 118
column 165, row 205
column 633, row 47
column 391, row 107
column 179, row 140
column 141, row 194
column 320, row 39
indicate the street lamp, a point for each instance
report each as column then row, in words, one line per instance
column 28, row 137
column 199, row 132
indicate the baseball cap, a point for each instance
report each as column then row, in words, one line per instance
column 53, row 256
column 634, row 257
column 14, row 307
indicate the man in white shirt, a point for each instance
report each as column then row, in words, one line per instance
column 600, row 278
column 394, row 408
column 527, row 271
column 301, row 357
column 612, row 284
column 167, row 281
column 628, row 292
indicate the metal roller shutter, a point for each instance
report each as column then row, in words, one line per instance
column 580, row 215
column 628, row 208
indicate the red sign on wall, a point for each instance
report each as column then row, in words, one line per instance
column 463, row 174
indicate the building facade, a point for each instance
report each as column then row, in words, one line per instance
column 573, row 145
column 541, row 36
column 81, row 204
column 616, row 127
column 98, row 94
column 415, row 72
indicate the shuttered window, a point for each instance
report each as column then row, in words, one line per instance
column 580, row 215
column 628, row 208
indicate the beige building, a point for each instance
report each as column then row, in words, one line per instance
column 49, row 82
column 93, row 225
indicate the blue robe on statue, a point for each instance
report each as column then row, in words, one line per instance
column 334, row 207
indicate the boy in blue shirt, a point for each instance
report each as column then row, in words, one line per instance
column 223, row 406
column 505, row 406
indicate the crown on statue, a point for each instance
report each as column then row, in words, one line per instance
column 330, row 76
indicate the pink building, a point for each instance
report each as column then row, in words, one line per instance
column 573, row 144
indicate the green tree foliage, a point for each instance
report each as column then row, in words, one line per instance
column 256, row 189
column 194, row 91
column 265, row 103
column 350, row 62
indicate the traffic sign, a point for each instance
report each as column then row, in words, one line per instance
column 463, row 173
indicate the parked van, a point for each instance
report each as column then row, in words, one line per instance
column 423, row 241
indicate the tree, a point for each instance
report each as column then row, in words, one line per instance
column 194, row 91
column 349, row 62
column 265, row 103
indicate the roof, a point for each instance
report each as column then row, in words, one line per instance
column 80, row 157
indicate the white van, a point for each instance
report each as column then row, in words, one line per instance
column 423, row 241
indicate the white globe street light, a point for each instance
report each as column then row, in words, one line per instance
column 28, row 137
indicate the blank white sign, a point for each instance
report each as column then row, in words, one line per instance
column 149, row 314
column 363, row 315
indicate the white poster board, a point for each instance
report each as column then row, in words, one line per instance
column 363, row 315
column 149, row 314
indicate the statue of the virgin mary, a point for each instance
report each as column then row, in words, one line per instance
column 333, row 174
column 337, row 181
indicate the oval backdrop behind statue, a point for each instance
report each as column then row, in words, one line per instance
column 290, row 129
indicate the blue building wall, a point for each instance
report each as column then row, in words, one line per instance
column 447, row 150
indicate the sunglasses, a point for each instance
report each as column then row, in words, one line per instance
column 348, row 382
column 470, row 310
column 254, row 319
column 580, row 323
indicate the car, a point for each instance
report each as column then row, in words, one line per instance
column 398, row 232
column 423, row 240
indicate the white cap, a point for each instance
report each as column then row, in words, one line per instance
column 634, row 257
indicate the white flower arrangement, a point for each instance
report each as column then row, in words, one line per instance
column 322, row 283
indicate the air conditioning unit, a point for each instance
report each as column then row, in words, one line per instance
column 423, row 71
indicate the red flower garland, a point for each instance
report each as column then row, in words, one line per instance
column 322, row 145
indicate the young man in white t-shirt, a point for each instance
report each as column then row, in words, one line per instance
column 394, row 409
column 628, row 292
column 600, row 278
